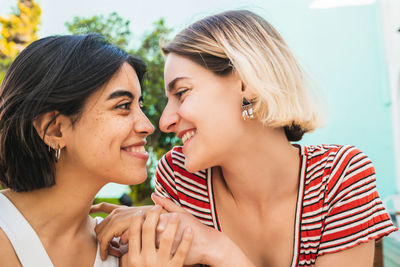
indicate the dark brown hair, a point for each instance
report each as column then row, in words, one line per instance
column 56, row 73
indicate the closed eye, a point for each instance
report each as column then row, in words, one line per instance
column 180, row 93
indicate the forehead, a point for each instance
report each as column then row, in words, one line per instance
column 176, row 65
column 125, row 78
column 179, row 69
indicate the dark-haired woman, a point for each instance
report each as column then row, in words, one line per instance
column 237, row 98
column 70, row 122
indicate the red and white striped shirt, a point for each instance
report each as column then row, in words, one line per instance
column 338, row 206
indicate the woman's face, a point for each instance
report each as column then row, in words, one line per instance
column 204, row 110
column 108, row 140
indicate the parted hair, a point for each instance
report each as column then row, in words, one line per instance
column 243, row 41
column 56, row 73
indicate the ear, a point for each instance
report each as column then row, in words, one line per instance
column 247, row 93
column 49, row 127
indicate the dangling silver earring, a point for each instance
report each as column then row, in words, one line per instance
column 247, row 109
column 58, row 153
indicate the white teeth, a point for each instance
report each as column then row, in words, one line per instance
column 187, row 135
column 139, row 149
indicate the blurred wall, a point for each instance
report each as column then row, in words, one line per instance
column 343, row 51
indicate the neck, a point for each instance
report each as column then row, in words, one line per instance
column 62, row 209
column 267, row 168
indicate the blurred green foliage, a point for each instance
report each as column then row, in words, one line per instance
column 117, row 31
column 18, row 30
column 114, row 28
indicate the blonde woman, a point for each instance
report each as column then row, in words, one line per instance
column 238, row 99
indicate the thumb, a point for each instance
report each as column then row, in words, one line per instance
column 166, row 203
column 103, row 207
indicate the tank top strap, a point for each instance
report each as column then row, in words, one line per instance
column 26, row 243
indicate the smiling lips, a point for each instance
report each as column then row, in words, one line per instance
column 137, row 150
column 187, row 135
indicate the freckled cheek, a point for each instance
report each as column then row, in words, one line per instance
column 99, row 131
column 126, row 124
column 106, row 134
column 116, row 133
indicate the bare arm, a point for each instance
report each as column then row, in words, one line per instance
column 7, row 253
column 361, row 255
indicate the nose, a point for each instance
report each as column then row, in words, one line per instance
column 169, row 118
column 144, row 125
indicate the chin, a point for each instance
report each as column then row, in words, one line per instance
column 192, row 166
column 140, row 179
column 133, row 179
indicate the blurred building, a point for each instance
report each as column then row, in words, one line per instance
column 352, row 51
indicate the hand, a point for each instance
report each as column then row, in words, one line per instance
column 209, row 246
column 142, row 235
column 115, row 225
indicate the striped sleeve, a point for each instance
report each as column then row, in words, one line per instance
column 165, row 179
column 355, row 213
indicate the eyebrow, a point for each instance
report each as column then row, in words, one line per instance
column 172, row 83
column 120, row 93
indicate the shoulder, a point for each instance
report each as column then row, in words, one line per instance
column 7, row 253
column 335, row 159
column 341, row 185
column 334, row 168
column 333, row 152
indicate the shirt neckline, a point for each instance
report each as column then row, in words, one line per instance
column 299, row 203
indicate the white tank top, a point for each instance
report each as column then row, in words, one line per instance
column 26, row 243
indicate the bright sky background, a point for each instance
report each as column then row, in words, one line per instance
column 177, row 13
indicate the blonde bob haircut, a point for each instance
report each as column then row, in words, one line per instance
column 243, row 41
